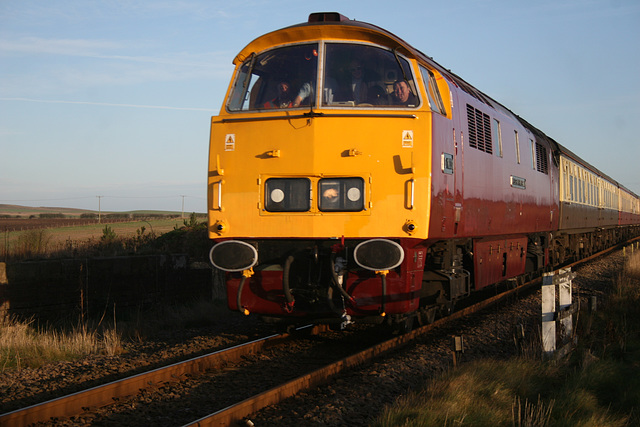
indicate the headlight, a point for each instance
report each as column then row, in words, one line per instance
column 341, row 194
column 287, row 194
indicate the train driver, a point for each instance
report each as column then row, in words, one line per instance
column 402, row 94
column 284, row 98
column 358, row 86
column 305, row 92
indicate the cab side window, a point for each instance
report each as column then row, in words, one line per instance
column 433, row 94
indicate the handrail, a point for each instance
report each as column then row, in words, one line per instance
column 315, row 114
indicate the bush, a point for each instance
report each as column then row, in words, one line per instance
column 51, row 215
column 108, row 235
column 33, row 243
column 118, row 216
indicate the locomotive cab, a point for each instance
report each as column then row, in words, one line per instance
column 315, row 170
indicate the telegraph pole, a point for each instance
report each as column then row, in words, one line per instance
column 99, row 210
column 182, row 206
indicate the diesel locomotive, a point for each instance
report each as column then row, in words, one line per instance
column 352, row 178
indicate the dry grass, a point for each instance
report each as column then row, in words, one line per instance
column 598, row 386
column 632, row 267
column 23, row 345
column 484, row 393
column 531, row 414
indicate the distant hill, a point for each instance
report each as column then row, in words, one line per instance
column 27, row 211
column 30, row 210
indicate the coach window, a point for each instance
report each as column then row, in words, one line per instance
column 565, row 188
column 579, row 186
column 571, row 188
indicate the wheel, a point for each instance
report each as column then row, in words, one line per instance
column 431, row 314
column 427, row 315
column 406, row 325
column 447, row 308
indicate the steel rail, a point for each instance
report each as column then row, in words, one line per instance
column 234, row 413
column 74, row 404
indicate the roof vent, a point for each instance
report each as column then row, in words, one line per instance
column 327, row 17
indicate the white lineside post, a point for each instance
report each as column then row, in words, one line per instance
column 548, row 314
column 563, row 314
column 564, row 288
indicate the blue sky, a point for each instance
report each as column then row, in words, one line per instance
column 114, row 98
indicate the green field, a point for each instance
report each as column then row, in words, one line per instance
column 122, row 229
column 55, row 238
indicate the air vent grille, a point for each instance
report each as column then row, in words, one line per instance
column 542, row 162
column 479, row 130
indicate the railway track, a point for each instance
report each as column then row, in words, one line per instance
column 75, row 404
column 243, row 368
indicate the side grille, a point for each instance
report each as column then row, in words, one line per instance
column 479, row 130
column 542, row 162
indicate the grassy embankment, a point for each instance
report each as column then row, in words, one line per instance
column 599, row 384
column 25, row 344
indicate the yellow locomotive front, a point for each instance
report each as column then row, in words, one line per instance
column 316, row 160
